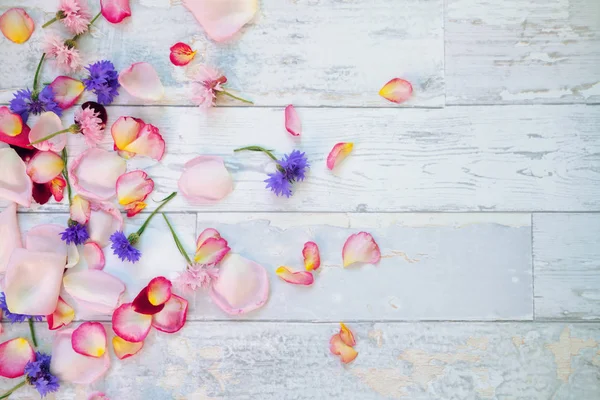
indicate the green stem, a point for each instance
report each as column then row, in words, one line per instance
column 226, row 93
column 11, row 391
column 32, row 331
column 66, row 174
column 257, row 148
column 165, row 201
column 177, row 241
column 47, row 24
column 95, row 18
column 37, row 72
column 50, row 136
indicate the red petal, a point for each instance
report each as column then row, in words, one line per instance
column 89, row 339
column 21, row 140
column 153, row 297
column 172, row 318
column 66, row 91
column 297, row 278
column 181, row 54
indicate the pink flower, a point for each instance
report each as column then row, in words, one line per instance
column 196, row 276
column 66, row 55
column 90, row 125
column 206, row 83
column 76, row 15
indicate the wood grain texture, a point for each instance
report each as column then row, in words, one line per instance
column 522, row 52
column 567, row 266
column 305, row 52
column 419, row 361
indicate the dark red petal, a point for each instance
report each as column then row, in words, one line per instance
column 142, row 305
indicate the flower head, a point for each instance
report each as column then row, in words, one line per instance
column 65, row 53
column 103, row 81
column 278, row 184
column 75, row 233
column 206, row 83
column 15, row 317
column 75, row 15
column 26, row 102
column 123, row 248
column 90, row 125
column 291, row 168
column 196, row 276
column 37, row 374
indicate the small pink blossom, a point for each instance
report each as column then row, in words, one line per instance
column 67, row 57
column 90, row 125
column 76, row 15
column 206, row 83
column 196, row 276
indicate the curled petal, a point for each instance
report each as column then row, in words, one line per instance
column 205, row 180
column 89, row 339
column 62, row 316
column 47, row 124
column 312, row 258
column 104, row 220
column 153, row 297
column 346, row 335
column 297, row 278
column 339, row 348
column 134, row 208
column 80, row 209
column 173, row 316
column 10, row 124
column 360, row 248
column 66, row 91
column 124, row 349
column 149, row 142
column 70, row 366
column 292, row 121
column 16, row 25
column 115, row 11
column 397, row 90
column 94, row 256
column 14, row 356
column 205, row 235
column 125, row 130
column 211, row 252
column 95, row 172
column 222, row 19
column 57, row 188
column 97, row 396
column 339, row 152
column 15, row 184
column 10, row 234
column 141, row 80
column 45, row 166
column 133, row 187
column 130, row 325
column 95, row 289
column 181, row 54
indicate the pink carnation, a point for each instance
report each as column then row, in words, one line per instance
column 76, row 15
column 67, row 58
column 206, row 83
column 196, row 276
column 90, row 125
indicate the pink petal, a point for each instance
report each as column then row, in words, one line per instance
column 104, row 220
column 173, row 316
column 242, row 286
column 211, row 252
column 130, row 325
column 339, row 152
column 312, row 258
column 94, row 256
column 46, row 238
column 360, row 248
column 339, row 348
column 14, row 356
column 45, row 166
column 48, row 123
column 96, row 289
column 16, row 25
column 98, row 395
column 397, row 90
column 292, row 121
column 149, row 143
column 125, row 130
column 181, row 54
column 57, row 188
column 222, row 19
column 10, row 234
column 133, row 186
column 115, row 11
column 205, row 235
column 80, row 209
column 297, row 278
column 10, row 124
column 15, row 184
column 205, row 180
column 66, row 91
column 62, row 316
column 141, row 80
column 134, row 208
column 124, row 349
column 21, row 140
column 70, row 366
column 346, row 335
column 89, row 339
column 95, row 172
column 152, row 298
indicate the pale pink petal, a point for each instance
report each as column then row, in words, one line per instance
column 346, row 335
column 125, row 130
column 339, row 152
column 115, row 11
column 10, row 124
column 297, row 278
column 72, row 255
column 173, row 316
column 47, row 124
column 62, row 316
column 94, row 256
column 242, row 286
column 292, row 121
column 98, row 290
column 211, row 252
column 10, row 234
column 44, row 166
column 70, row 366
column 66, row 91
column 16, row 25
column 205, row 180
column 339, row 348
column 397, row 90
column 46, row 238
column 98, row 395
column 104, row 220
column 181, row 54
column 360, row 248
column 89, row 339
column 205, row 235
column 95, row 172
column 80, row 209
column 312, row 258
column 15, row 184
column 149, row 143
column 221, row 19
column 130, row 325
column 14, row 356
column 124, row 349
column 133, row 186
column 141, row 80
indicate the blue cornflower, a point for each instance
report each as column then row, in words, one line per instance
column 291, row 168
column 75, row 233
column 37, row 374
column 103, row 81
column 278, row 184
column 27, row 102
column 123, row 248
column 15, row 317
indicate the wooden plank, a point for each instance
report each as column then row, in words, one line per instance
column 522, row 52
column 396, row 361
column 566, row 250
column 302, row 52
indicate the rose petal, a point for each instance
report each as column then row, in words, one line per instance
column 125, row 130
column 205, row 235
column 62, row 316
column 205, row 180
column 72, row 255
column 45, row 166
column 135, row 208
column 124, row 349
column 66, row 91
column 360, row 248
column 97, row 396
column 10, row 234
column 181, row 54
column 15, row 184
column 297, row 278
column 98, row 290
column 339, row 152
column 115, row 11
column 16, row 25
column 104, row 220
column 212, row 251
column 95, row 172
column 292, row 121
column 80, row 209
column 133, row 186
column 242, row 286
column 57, row 188
column 89, row 339
column 46, row 238
column 149, row 143
column 397, row 90
column 47, row 124
column 346, row 335
column 173, row 316
column 70, row 366
column 339, row 348
column 94, row 256
column 153, row 297
column 21, row 140
column 141, row 80
column 10, row 124
column 130, row 325
column 14, row 356
column 312, row 258
column 222, row 19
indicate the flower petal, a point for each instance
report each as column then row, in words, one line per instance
column 14, row 356
column 66, row 91
column 97, row 396
column 312, row 258
column 10, row 124
column 95, row 289
column 397, row 90
column 134, row 208
column 94, row 256
column 44, row 166
column 10, row 234
column 292, row 121
column 62, row 316
column 212, row 251
column 173, row 316
column 124, row 349
column 47, row 124
column 242, row 286
column 80, row 209
column 339, row 348
column 70, row 366
column 205, row 180
column 149, row 143
column 115, row 11
column 15, row 184
column 130, row 325
column 346, row 335
column 95, row 172
column 46, row 238
column 181, row 54
column 104, row 220
column 57, row 188
column 297, row 278
column 153, row 297
column 16, row 25
column 339, row 152
column 360, row 248
column 89, row 339
column 222, row 19
column 205, row 235
column 141, row 80
column 21, row 140
column 133, row 186
column 125, row 130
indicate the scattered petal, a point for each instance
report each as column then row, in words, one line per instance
column 10, row 124
column 21, row 140
column 80, row 209
column 134, row 208
column 47, row 124
column 15, row 184
column 115, row 11
column 205, row 180
column 10, row 234
column 125, row 130
column 73, row 367
column 14, row 356
column 44, row 166
column 62, row 316
column 339, row 152
column 133, row 187
column 46, row 238
column 124, row 349
column 66, row 91
column 360, row 248
column 312, row 258
column 181, row 54
column 95, row 289
column 222, row 19
column 98, row 395
column 16, row 25
column 57, row 188
column 153, row 297
column 89, row 339
column 173, row 316
column 297, row 278
column 205, row 235
column 133, row 136
column 292, row 121
column 95, row 172
column 346, row 335
column 141, row 80
column 211, row 252
column 397, row 90
column 339, row 348
column 104, row 220
column 94, row 256
column 130, row 325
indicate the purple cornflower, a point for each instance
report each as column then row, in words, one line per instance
column 15, row 317
column 123, row 247
column 27, row 102
column 291, row 168
column 103, row 81
column 37, row 374
column 75, row 233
